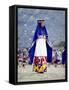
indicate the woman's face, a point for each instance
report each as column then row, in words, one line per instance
column 43, row 24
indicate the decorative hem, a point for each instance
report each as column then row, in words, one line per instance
column 40, row 64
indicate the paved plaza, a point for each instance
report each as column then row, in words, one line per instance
column 53, row 73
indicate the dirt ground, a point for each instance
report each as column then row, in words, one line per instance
column 53, row 73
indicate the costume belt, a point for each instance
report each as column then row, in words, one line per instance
column 41, row 36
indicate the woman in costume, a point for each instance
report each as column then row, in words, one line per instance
column 38, row 51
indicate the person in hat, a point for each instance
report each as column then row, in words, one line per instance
column 38, row 51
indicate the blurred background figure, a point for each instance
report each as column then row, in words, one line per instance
column 19, row 56
column 56, row 58
column 22, row 57
column 25, row 57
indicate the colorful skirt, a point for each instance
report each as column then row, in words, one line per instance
column 40, row 64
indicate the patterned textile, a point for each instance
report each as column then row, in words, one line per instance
column 40, row 64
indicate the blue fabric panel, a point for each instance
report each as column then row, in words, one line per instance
column 63, row 57
column 49, row 53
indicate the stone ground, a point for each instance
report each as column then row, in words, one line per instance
column 53, row 73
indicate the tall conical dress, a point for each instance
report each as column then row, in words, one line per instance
column 40, row 52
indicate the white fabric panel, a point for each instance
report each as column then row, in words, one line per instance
column 41, row 49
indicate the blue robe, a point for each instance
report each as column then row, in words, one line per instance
column 63, row 57
column 40, row 31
